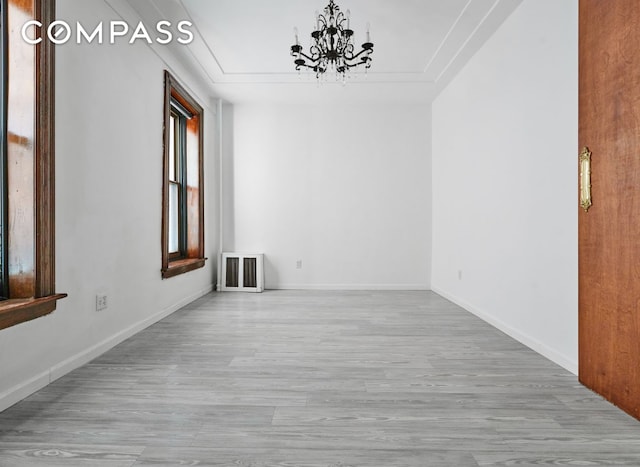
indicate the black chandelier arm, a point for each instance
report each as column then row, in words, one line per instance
column 302, row 54
column 298, row 65
column 367, row 63
column 364, row 50
column 297, row 51
column 317, row 68
column 316, row 51
column 301, row 62
column 348, row 59
column 314, row 64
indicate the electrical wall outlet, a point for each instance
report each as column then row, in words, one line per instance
column 101, row 302
column 299, row 264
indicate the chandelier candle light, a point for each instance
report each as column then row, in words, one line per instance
column 332, row 45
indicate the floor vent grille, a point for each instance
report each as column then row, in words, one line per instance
column 242, row 272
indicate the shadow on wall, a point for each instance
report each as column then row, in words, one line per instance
column 227, row 241
column 270, row 273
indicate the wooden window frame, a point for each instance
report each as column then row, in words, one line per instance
column 191, row 256
column 32, row 295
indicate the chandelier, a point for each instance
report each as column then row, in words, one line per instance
column 332, row 45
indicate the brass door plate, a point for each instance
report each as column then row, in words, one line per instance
column 585, row 179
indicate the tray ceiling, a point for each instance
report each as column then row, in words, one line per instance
column 242, row 46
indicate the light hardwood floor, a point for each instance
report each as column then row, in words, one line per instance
column 318, row 379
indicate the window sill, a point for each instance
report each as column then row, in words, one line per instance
column 16, row 311
column 181, row 266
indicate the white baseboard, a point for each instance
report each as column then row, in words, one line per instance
column 22, row 390
column 356, row 287
column 534, row 344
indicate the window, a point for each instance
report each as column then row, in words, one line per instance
column 27, row 188
column 183, row 186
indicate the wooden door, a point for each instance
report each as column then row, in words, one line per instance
column 609, row 233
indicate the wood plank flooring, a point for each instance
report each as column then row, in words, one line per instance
column 318, row 379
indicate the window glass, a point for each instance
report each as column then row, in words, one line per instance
column 174, row 225
column 172, row 148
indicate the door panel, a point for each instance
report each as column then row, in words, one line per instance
column 609, row 233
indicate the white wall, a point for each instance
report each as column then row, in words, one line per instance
column 504, row 186
column 343, row 187
column 108, row 209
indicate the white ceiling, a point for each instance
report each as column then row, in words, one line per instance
column 243, row 46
